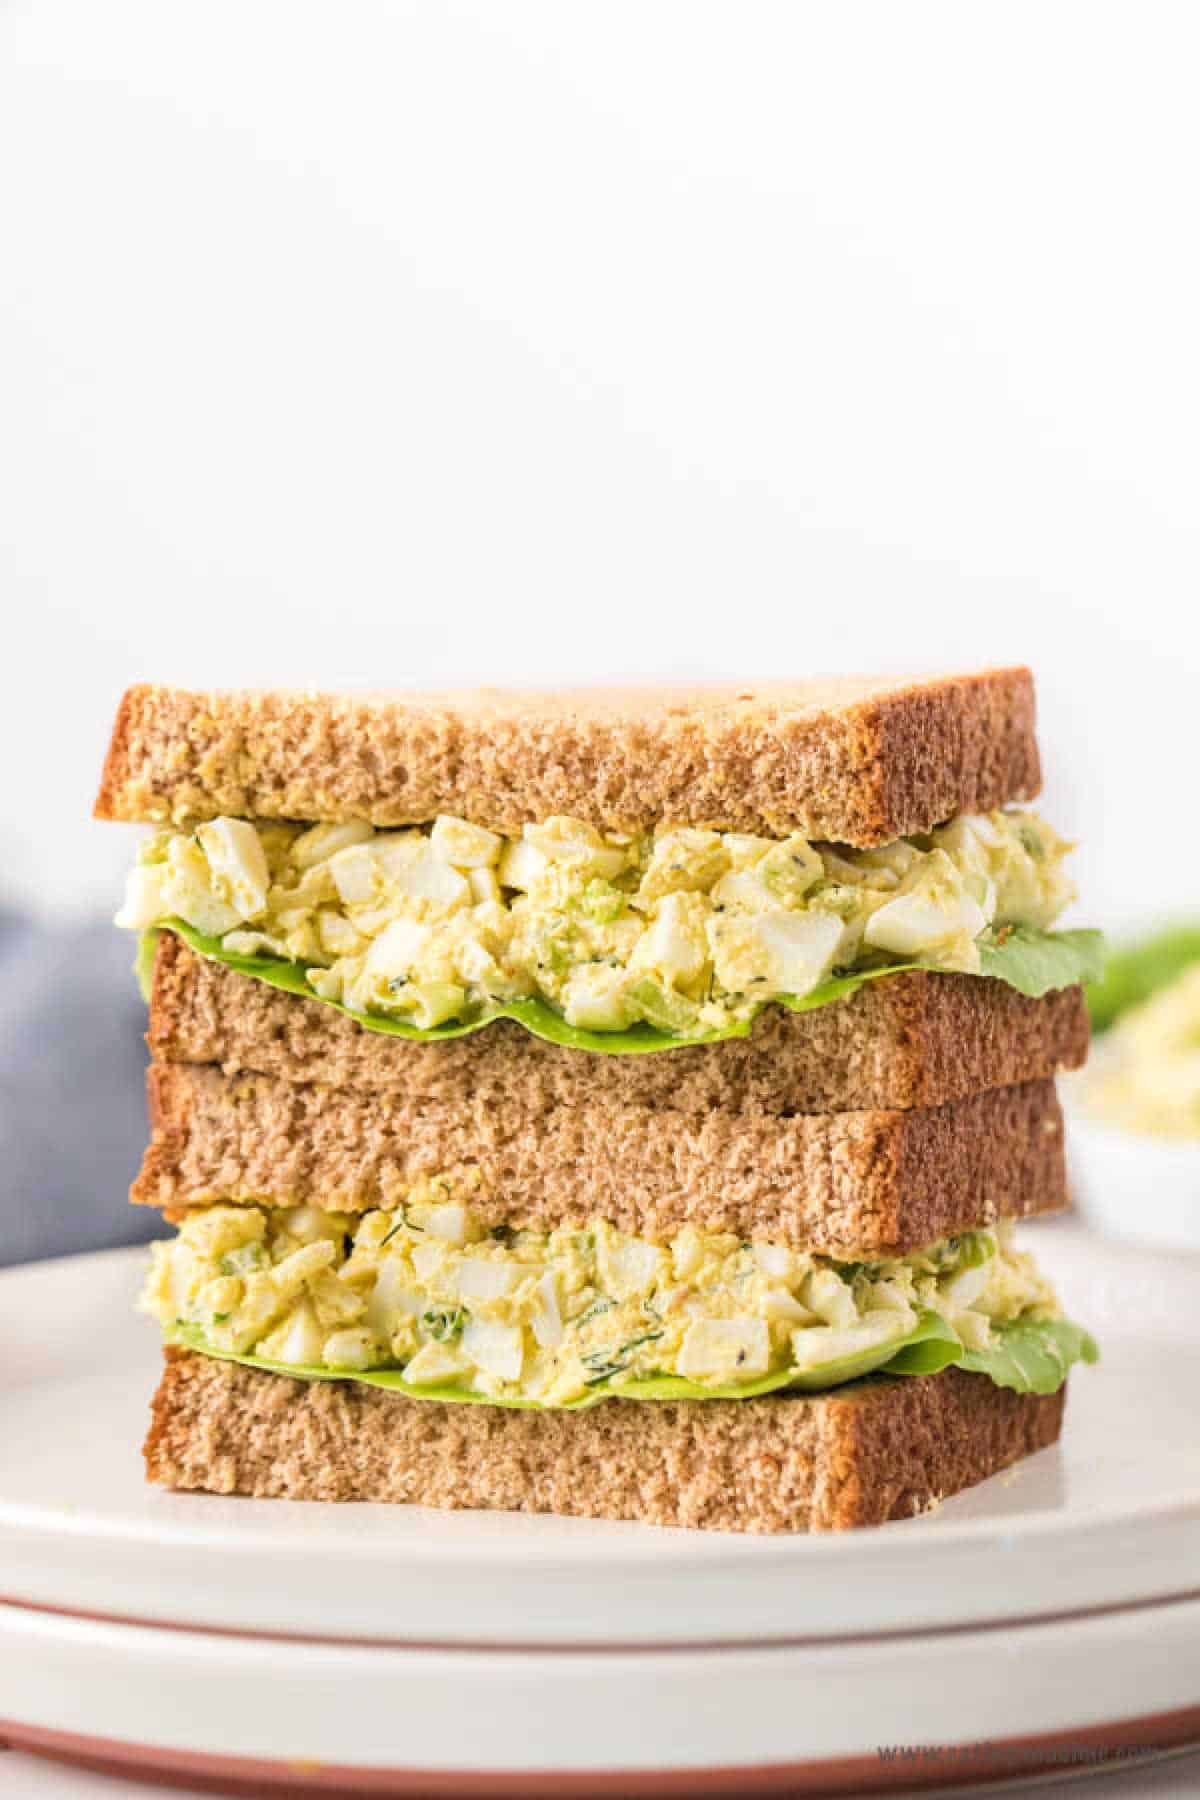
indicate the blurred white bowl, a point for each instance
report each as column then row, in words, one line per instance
column 1140, row 1188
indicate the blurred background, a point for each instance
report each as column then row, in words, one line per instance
column 400, row 344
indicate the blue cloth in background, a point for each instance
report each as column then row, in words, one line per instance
column 72, row 1090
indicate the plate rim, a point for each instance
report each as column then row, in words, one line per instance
column 65, row 1555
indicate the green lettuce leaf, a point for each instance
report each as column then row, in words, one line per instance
column 1140, row 970
column 1032, row 1358
column 143, row 963
column 1029, row 1355
column 1031, row 961
column 1035, row 962
column 931, row 1336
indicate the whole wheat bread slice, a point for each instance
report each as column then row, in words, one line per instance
column 856, row 760
column 878, row 1450
column 847, row 1184
column 913, row 1039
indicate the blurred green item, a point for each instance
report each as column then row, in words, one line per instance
column 1139, row 970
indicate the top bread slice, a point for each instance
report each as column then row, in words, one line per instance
column 855, row 760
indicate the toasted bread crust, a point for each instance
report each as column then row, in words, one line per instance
column 846, row 1184
column 881, row 1449
column 858, row 761
column 913, row 1039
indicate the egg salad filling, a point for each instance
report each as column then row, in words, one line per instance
column 1145, row 1075
column 563, row 1317
column 684, row 931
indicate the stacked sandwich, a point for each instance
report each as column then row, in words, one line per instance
column 612, row 1103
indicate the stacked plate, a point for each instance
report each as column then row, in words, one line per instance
column 1049, row 1620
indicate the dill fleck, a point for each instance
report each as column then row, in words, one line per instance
column 444, row 1324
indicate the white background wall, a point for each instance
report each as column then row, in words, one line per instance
column 383, row 344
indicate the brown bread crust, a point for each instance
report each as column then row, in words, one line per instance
column 847, row 1184
column 913, row 1039
column 880, row 1449
column 857, row 760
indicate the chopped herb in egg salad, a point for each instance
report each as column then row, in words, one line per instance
column 684, row 932
column 562, row 1318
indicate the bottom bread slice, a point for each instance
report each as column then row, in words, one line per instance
column 877, row 1450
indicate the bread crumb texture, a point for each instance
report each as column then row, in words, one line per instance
column 882, row 1449
column 855, row 760
column 912, row 1039
column 844, row 1184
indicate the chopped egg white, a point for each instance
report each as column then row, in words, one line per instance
column 552, row 1316
column 685, row 930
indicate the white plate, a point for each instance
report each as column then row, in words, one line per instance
column 348, row 1719
column 1111, row 1516
column 1143, row 1190
column 458, row 1653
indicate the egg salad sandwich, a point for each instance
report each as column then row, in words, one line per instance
column 616, row 1103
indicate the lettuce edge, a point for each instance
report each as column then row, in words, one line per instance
column 1035, row 963
column 1027, row 1355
